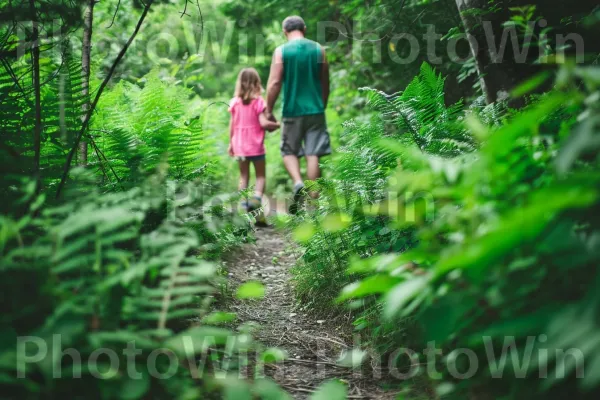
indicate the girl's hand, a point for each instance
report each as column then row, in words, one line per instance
column 268, row 122
column 273, row 126
column 230, row 150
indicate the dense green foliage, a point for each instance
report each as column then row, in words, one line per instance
column 441, row 218
column 102, row 271
column 128, row 253
column 137, row 127
column 476, row 248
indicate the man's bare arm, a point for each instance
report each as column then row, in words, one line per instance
column 325, row 84
column 275, row 81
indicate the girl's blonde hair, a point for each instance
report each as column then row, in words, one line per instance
column 248, row 86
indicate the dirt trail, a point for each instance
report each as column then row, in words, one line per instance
column 312, row 345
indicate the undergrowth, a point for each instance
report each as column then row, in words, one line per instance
column 472, row 229
column 127, row 256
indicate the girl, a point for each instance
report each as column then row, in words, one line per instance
column 247, row 132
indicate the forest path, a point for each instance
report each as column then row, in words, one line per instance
column 313, row 346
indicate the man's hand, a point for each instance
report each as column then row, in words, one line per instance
column 269, row 122
column 274, row 127
column 270, row 116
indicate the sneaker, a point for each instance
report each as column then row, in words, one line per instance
column 297, row 199
column 261, row 222
column 254, row 204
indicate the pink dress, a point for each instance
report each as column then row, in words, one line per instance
column 247, row 136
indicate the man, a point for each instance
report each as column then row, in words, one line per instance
column 300, row 67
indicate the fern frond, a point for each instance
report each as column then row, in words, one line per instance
column 420, row 111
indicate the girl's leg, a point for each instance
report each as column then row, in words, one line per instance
column 260, row 170
column 244, row 174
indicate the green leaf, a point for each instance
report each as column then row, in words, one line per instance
column 352, row 358
column 266, row 389
column 304, row 232
column 237, row 390
column 104, row 339
column 519, row 227
column 273, row 355
column 401, row 294
column 584, row 139
column 134, row 388
column 446, row 315
column 371, row 285
column 444, row 389
column 502, row 141
column 330, row 390
column 198, row 339
column 335, row 222
column 219, row 317
column 531, row 84
column 251, row 290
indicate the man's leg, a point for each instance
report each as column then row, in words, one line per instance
column 292, row 135
column 291, row 147
column 313, row 171
column 292, row 165
column 316, row 145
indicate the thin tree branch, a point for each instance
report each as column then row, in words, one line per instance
column 101, row 163
column 88, row 116
column 25, row 93
column 115, row 14
column 16, row 80
column 97, row 149
column 201, row 117
column 185, row 9
column 35, row 62
column 184, row 12
column 86, row 49
column 201, row 22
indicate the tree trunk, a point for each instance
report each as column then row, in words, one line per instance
column 86, row 50
column 497, row 77
column 93, row 104
column 35, row 62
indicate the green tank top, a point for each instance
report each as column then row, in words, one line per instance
column 302, row 91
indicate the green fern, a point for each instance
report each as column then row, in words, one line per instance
column 421, row 113
column 110, row 284
column 16, row 114
column 149, row 126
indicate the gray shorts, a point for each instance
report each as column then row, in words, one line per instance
column 305, row 135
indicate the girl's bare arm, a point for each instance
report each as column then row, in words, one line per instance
column 267, row 124
column 230, row 148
